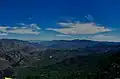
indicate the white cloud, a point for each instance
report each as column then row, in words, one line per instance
column 25, row 29
column 81, row 28
column 65, row 24
column 63, row 35
column 23, row 24
column 89, row 17
column 22, row 31
column 34, row 26
column 104, row 38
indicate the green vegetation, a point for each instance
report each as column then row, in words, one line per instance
column 96, row 66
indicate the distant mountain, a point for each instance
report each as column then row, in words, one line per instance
column 75, row 43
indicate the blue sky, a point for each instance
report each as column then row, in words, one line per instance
column 60, row 19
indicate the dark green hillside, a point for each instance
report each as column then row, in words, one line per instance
column 97, row 66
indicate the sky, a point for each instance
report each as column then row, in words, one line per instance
column 97, row 20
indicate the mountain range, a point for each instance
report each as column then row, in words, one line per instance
column 52, row 53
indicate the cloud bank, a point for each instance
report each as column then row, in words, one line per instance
column 24, row 29
column 80, row 28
